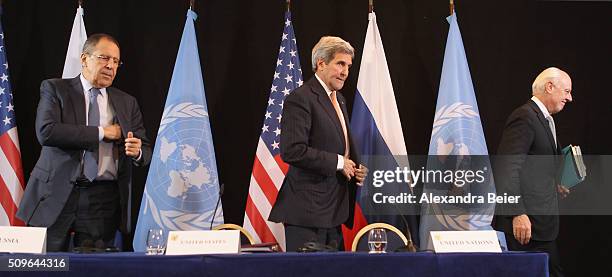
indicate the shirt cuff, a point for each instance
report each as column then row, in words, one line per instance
column 139, row 155
column 100, row 133
column 340, row 164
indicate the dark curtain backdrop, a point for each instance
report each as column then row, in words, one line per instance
column 507, row 43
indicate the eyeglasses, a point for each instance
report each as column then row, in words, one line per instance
column 107, row 59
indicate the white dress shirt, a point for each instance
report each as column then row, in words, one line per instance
column 108, row 154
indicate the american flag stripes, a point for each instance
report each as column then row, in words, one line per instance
column 11, row 173
column 268, row 169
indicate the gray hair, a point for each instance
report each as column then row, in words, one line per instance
column 551, row 74
column 326, row 49
column 90, row 44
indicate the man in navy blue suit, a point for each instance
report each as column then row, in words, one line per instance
column 318, row 193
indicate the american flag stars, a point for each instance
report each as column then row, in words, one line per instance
column 7, row 112
column 268, row 169
column 287, row 77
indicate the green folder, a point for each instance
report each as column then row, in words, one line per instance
column 574, row 170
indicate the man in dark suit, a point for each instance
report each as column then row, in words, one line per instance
column 318, row 193
column 91, row 136
column 529, row 154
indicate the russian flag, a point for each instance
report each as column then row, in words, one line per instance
column 375, row 128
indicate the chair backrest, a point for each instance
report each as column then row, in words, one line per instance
column 395, row 238
column 244, row 232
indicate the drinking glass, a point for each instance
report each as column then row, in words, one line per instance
column 377, row 240
column 156, row 243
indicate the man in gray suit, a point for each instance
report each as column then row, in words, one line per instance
column 318, row 193
column 91, row 135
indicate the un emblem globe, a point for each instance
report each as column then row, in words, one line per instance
column 185, row 173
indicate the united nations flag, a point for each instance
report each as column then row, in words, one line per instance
column 182, row 187
column 457, row 146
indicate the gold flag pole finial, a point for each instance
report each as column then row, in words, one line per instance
column 80, row 3
column 288, row 5
column 191, row 4
column 371, row 6
column 452, row 6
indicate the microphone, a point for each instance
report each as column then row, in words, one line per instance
column 36, row 208
column 221, row 188
column 410, row 247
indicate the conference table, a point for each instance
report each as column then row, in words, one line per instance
column 512, row 264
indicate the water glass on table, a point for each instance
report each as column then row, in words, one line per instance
column 377, row 240
column 156, row 242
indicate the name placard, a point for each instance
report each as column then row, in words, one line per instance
column 203, row 242
column 465, row 241
column 23, row 239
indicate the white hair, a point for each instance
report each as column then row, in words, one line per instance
column 551, row 74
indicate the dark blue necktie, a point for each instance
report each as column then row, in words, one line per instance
column 90, row 159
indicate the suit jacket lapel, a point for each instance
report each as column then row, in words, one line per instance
column 352, row 153
column 325, row 102
column 78, row 100
column 120, row 116
column 545, row 125
column 342, row 103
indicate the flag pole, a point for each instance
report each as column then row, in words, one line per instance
column 371, row 6
column 191, row 4
column 288, row 5
column 451, row 6
column 80, row 3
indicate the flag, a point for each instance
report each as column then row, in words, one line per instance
column 182, row 188
column 268, row 168
column 375, row 128
column 78, row 36
column 11, row 173
column 457, row 133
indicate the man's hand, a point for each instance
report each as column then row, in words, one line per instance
column 112, row 132
column 132, row 145
column 360, row 174
column 349, row 168
column 563, row 191
column 521, row 227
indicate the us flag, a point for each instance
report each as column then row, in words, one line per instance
column 268, row 169
column 11, row 172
